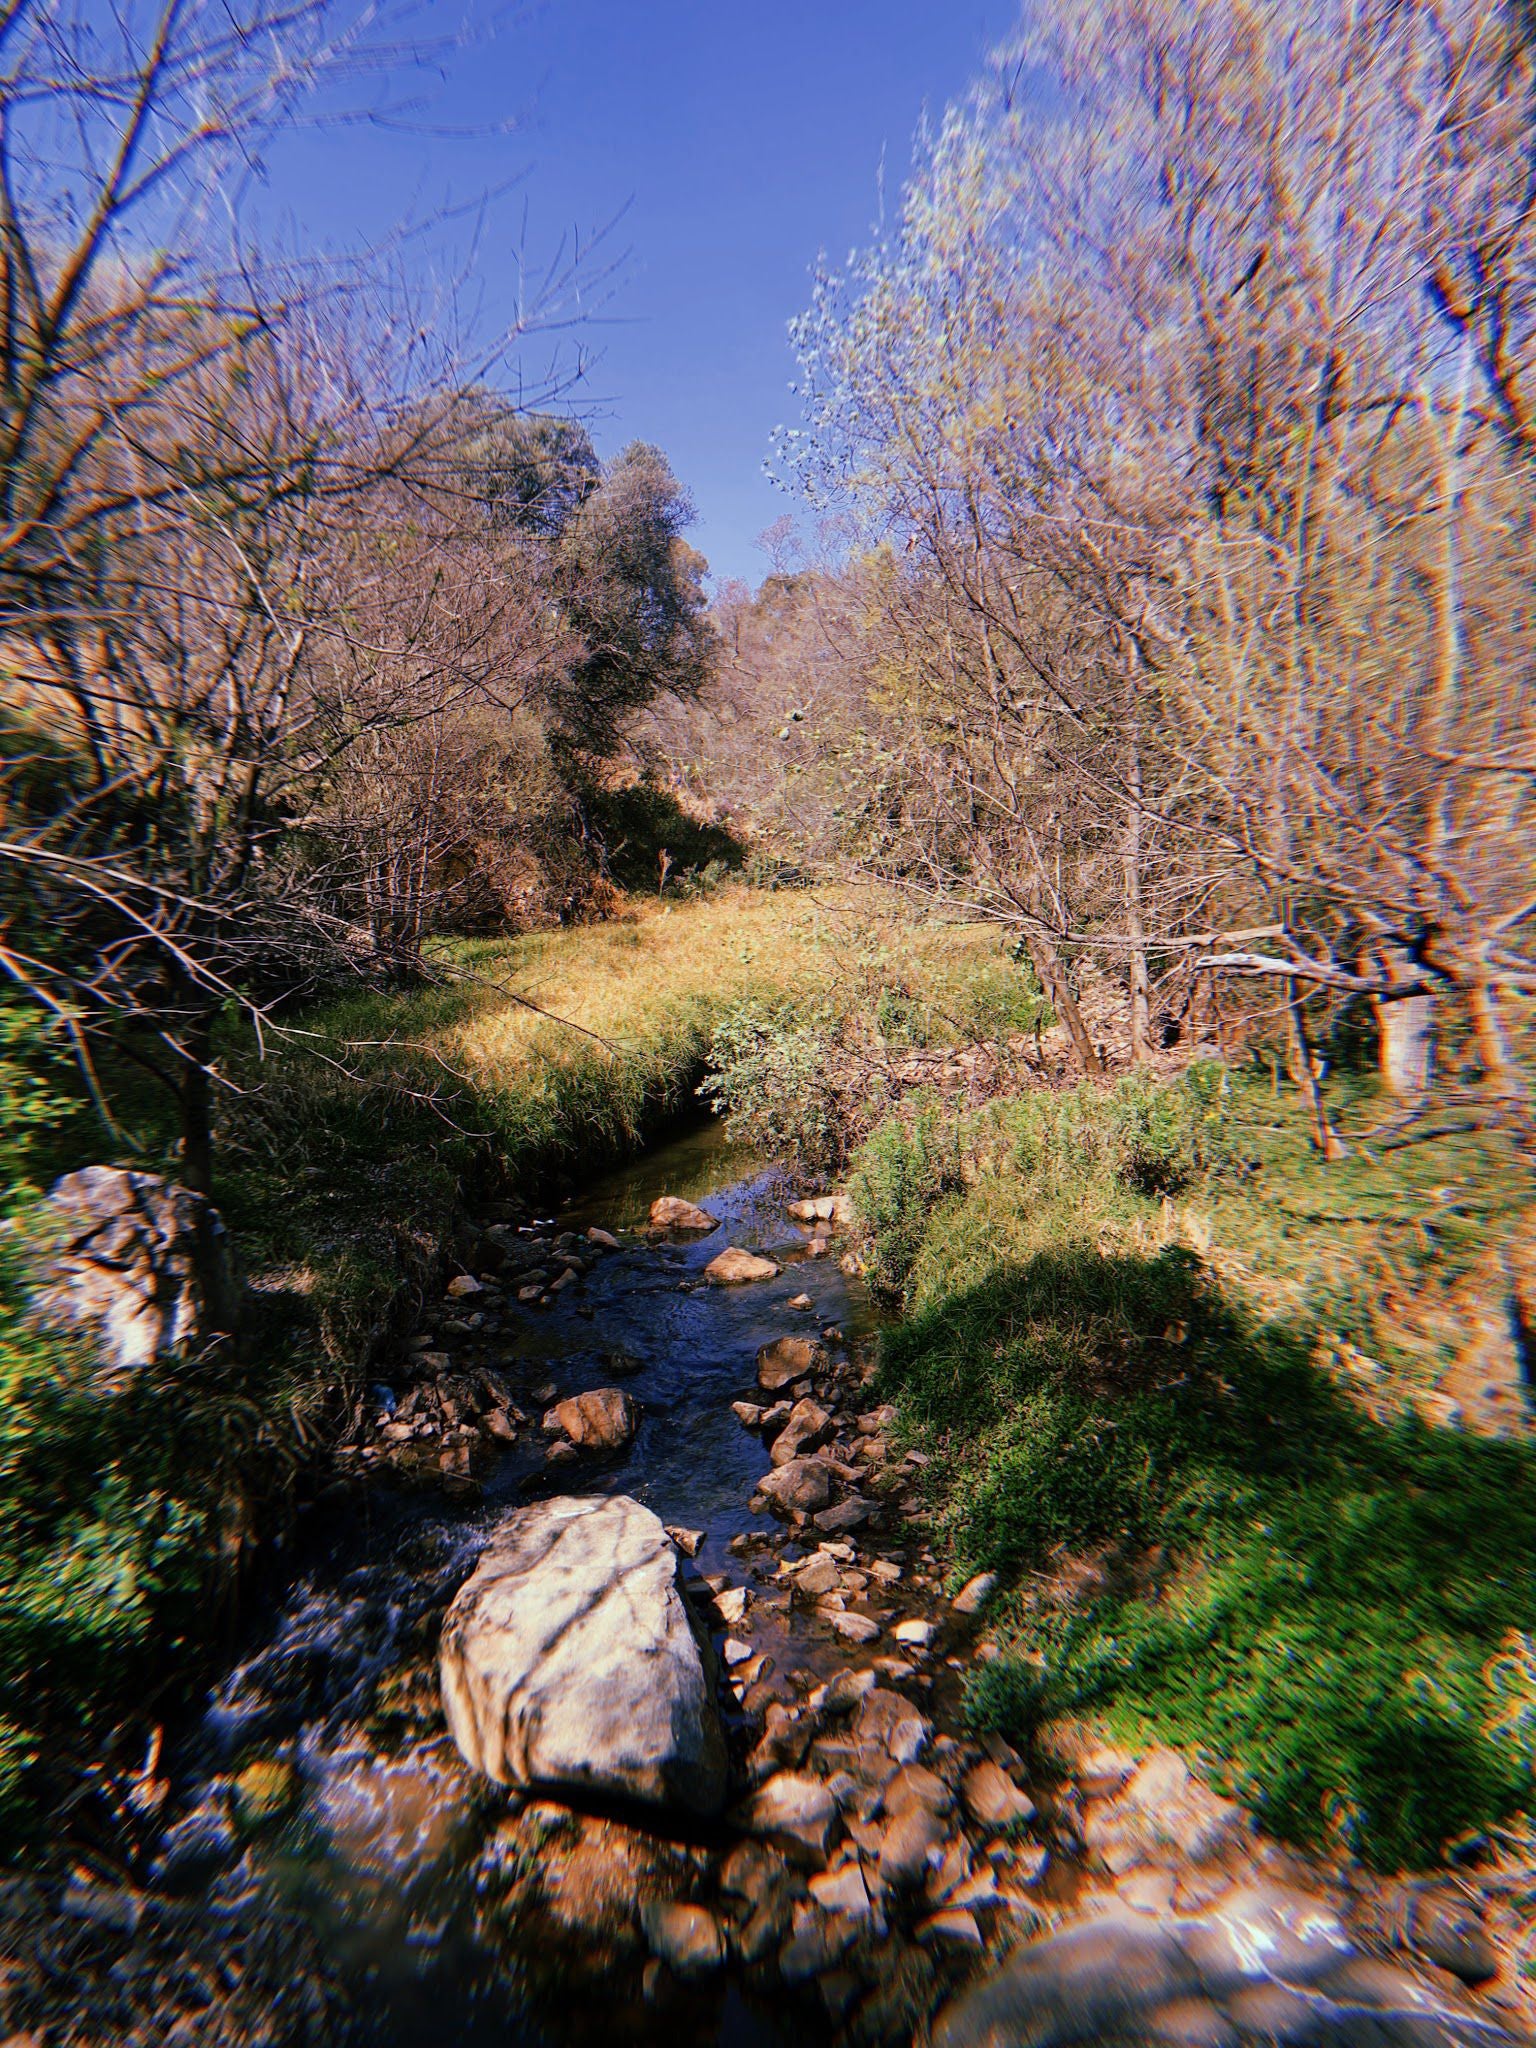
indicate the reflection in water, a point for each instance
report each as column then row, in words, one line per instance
column 390, row 1842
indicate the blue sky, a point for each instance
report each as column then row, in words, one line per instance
column 737, row 140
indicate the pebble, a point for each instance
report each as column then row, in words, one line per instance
column 956, row 1928
column 916, row 1635
column 854, row 1628
column 686, row 1938
column 842, row 1891
column 795, row 1810
column 992, row 1799
column 973, row 1594
column 912, row 1843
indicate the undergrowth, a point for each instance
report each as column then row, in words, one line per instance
column 1336, row 1612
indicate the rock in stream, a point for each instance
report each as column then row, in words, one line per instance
column 569, row 1660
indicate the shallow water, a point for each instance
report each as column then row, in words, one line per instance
column 382, row 1852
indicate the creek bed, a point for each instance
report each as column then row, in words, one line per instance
column 381, row 1849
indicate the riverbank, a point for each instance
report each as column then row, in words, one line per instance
column 348, row 1146
column 1241, row 1440
column 1246, row 1439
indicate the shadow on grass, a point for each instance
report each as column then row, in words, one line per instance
column 1341, row 1614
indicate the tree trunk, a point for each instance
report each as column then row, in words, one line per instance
column 1490, row 1034
column 1304, row 1069
column 195, row 1101
column 1134, row 926
column 1043, row 957
column 1405, row 1028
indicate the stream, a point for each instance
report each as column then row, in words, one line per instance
column 382, row 1846
column 326, row 1869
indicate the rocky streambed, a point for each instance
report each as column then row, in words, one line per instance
column 628, row 1507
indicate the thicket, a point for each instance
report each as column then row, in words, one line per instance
column 809, row 1081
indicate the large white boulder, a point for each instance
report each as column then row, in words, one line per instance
column 569, row 1660
column 143, row 1266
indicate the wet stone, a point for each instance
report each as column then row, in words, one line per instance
column 568, row 1659
column 786, row 1360
column 992, row 1799
column 803, row 1485
column 686, row 1938
column 671, row 1212
column 910, row 1846
column 796, row 1811
column 736, row 1268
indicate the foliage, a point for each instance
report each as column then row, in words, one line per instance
column 904, row 1172
column 1147, row 510
column 634, row 824
column 1163, row 1136
column 1326, row 1602
column 632, row 592
column 771, row 1076
column 123, row 1511
column 123, row 1518
column 35, row 1099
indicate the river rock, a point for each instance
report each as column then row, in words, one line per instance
column 843, row 1516
column 886, row 1718
column 804, row 1484
column 794, row 1810
column 909, row 1846
column 992, row 1799
column 806, row 1430
column 785, row 1360
column 734, row 1267
column 687, row 1938
column 821, row 1209
column 1447, row 1928
column 973, row 1595
column 1162, row 1805
column 671, row 1212
column 569, row 1660
column 1270, row 1964
column 604, row 1419
column 145, row 1267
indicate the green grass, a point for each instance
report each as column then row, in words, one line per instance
column 1337, row 1613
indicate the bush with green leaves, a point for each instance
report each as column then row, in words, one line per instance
column 904, row 1172
column 1166, row 1133
column 1001, row 999
column 35, row 1098
column 772, row 1077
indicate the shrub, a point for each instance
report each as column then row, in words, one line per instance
column 1335, row 1609
column 904, row 1171
column 1166, row 1133
column 771, row 1076
column 1000, row 999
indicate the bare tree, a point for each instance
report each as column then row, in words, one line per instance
column 1193, row 378
column 230, row 532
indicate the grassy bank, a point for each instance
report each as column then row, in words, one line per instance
column 1174, row 1376
column 126, row 1521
